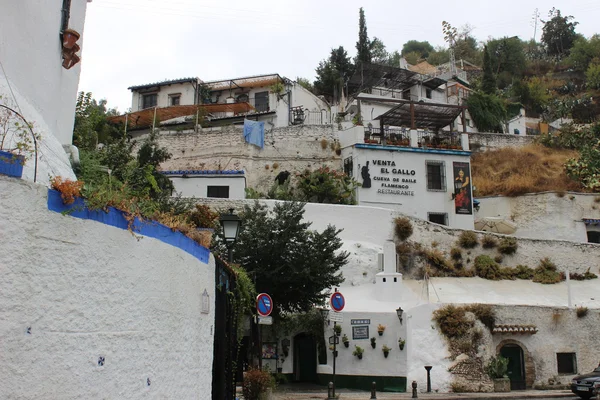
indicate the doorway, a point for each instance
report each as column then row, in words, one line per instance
column 516, row 365
column 305, row 358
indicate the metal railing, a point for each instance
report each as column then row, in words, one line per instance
column 303, row 116
column 443, row 140
column 393, row 137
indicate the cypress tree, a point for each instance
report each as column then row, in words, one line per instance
column 488, row 82
column 363, row 46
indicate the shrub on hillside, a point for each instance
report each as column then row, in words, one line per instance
column 487, row 268
column 468, row 240
column 547, row 273
column 489, row 242
column 203, row 217
column 256, row 382
column 485, row 313
column 523, row 272
column 455, row 253
column 452, row 321
column 583, row 277
column 403, row 228
column 438, row 262
column 508, row 245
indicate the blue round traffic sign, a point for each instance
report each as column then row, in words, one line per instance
column 337, row 301
column 264, row 304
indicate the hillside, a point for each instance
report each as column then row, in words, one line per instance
column 516, row 171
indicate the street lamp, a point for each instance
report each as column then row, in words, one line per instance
column 231, row 228
column 399, row 312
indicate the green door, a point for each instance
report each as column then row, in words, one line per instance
column 305, row 358
column 516, row 365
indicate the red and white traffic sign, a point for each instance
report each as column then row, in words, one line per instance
column 264, row 304
column 337, row 301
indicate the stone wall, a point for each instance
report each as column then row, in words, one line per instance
column 546, row 215
column 293, row 149
column 88, row 310
column 490, row 141
column 559, row 331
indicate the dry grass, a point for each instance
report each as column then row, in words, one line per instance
column 516, row 171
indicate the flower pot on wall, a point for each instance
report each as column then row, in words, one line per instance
column 402, row 347
column 11, row 164
column 386, row 354
column 70, row 37
column 347, row 344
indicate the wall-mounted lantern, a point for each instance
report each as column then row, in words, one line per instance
column 399, row 312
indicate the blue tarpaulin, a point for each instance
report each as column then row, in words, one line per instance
column 254, row 133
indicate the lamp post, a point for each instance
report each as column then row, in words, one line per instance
column 231, row 228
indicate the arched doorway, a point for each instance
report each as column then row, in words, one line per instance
column 305, row 358
column 516, row 365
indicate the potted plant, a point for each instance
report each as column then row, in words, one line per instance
column 373, row 342
column 69, row 38
column 257, row 384
column 337, row 329
column 357, row 120
column 401, row 343
column 333, row 350
column 345, row 340
column 386, row 350
column 496, row 369
column 358, row 352
column 17, row 142
column 380, row 329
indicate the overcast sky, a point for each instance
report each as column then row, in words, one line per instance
column 131, row 42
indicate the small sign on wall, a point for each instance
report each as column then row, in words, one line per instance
column 360, row 332
column 205, row 302
column 360, row 322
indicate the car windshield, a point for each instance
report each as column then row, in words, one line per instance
column 597, row 369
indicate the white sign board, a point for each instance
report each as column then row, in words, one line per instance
column 336, row 317
column 265, row 320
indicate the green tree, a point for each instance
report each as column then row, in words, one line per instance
column 488, row 112
column 424, row 48
column 488, row 82
column 507, row 59
column 532, row 94
column 333, row 73
column 584, row 51
column 379, row 54
column 592, row 76
column 559, row 33
column 438, row 56
column 413, row 57
column 363, row 46
column 91, row 122
column 285, row 258
column 305, row 83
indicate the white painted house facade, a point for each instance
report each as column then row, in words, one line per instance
column 38, row 81
column 223, row 184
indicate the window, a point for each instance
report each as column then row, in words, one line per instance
column 348, row 166
column 428, row 93
column 221, row 192
column 438, row 218
column 593, row 236
column 567, row 363
column 436, row 176
column 149, row 100
column 174, row 99
column 406, row 95
column 261, row 101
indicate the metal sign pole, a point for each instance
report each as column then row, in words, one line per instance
column 334, row 355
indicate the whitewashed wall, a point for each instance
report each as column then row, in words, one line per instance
column 46, row 93
column 197, row 185
column 87, row 290
column 544, row 215
column 186, row 90
column 416, row 201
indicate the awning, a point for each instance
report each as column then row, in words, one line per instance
column 515, row 329
column 426, row 115
column 495, row 224
column 591, row 221
column 143, row 118
column 384, row 76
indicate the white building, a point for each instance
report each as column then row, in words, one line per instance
column 224, row 184
column 270, row 98
column 39, row 75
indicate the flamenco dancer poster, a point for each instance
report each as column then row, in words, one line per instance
column 463, row 201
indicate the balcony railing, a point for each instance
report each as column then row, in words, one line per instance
column 301, row 116
column 393, row 137
column 443, row 140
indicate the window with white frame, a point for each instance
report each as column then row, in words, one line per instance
column 436, row 175
column 175, row 99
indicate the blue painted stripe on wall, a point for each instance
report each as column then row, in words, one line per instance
column 117, row 219
column 412, row 149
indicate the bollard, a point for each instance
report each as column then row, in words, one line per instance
column 428, row 368
column 414, row 387
column 373, row 390
column 330, row 395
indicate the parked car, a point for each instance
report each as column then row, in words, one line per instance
column 588, row 385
